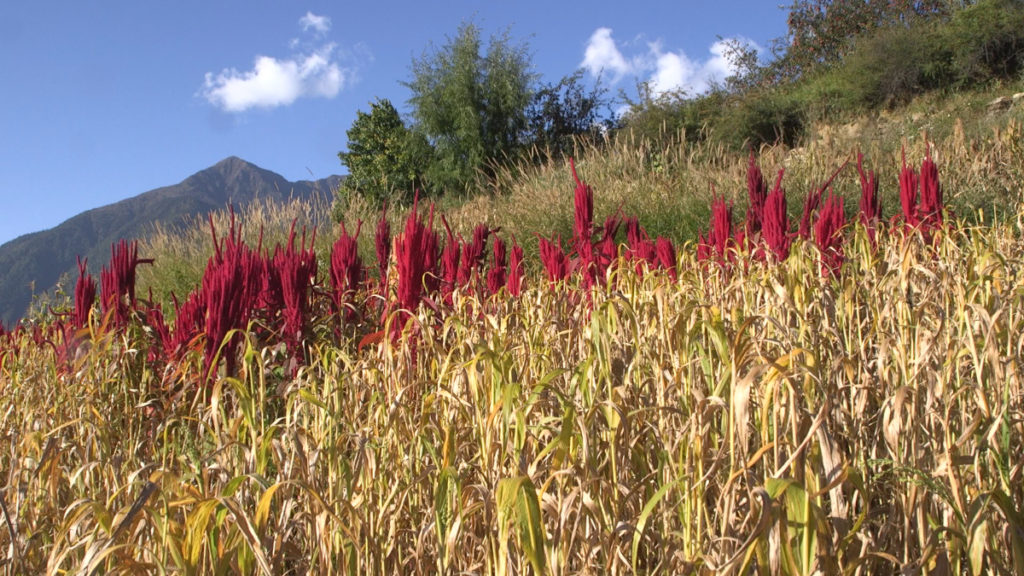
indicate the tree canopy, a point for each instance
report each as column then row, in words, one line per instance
column 384, row 157
column 560, row 112
column 471, row 105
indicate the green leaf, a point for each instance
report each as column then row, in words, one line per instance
column 645, row 514
column 446, row 495
column 518, row 502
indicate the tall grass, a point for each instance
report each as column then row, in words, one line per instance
column 728, row 415
column 764, row 421
column 761, row 419
column 669, row 184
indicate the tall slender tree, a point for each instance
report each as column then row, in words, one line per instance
column 471, row 105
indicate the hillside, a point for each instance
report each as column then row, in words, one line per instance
column 33, row 263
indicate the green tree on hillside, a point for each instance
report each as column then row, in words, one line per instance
column 821, row 32
column 559, row 113
column 471, row 105
column 384, row 158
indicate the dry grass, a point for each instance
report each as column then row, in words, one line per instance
column 760, row 420
column 669, row 186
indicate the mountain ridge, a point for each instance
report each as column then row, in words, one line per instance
column 33, row 263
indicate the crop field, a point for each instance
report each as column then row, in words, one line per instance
column 817, row 385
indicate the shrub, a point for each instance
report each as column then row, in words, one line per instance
column 385, row 159
column 987, row 41
column 769, row 116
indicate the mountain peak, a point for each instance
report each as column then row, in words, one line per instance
column 232, row 166
column 40, row 258
column 232, row 162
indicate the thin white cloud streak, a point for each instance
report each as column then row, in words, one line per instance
column 664, row 71
column 274, row 82
column 321, row 24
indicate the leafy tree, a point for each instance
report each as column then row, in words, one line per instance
column 560, row 113
column 471, row 106
column 821, row 32
column 987, row 41
column 384, row 158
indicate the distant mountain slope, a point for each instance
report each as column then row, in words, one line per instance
column 36, row 261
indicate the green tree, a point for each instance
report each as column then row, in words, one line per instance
column 471, row 106
column 560, row 113
column 384, row 158
column 987, row 41
column 822, row 32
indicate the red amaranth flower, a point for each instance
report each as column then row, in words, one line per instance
column 703, row 248
column 828, row 235
column 666, row 256
column 473, row 254
column 231, row 285
column 642, row 250
column 556, row 263
column 297, row 268
column 812, row 201
column 450, row 259
column 163, row 342
column 908, row 193
column 416, row 253
column 431, row 255
column 607, row 249
column 189, row 322
column 270, row 298
column 583, row 228
column 870, row 202
column 85, row 295
column 347, row 273
column 497, row 275
column 515, row 269
column 117, row 283
column 720, row 235
column 775, row 223
column 929, row 211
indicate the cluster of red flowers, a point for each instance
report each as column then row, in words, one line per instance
column 425, row 268
column 85, row 296
column 767, row 228
column 347, row 273
column 921, row 196
column 241, row 284
column 117, row 281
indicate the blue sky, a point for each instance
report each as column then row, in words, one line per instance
column 104, row 100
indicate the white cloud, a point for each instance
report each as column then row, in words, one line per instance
column 664, row 71
column 274, row 82
column 672, row 71
column 321, row 24
column 602, row 55
column 718, row 67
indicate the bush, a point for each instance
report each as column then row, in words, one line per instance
column 987, row 41
column 886, row 68
column 385, row 159
column 896, row 63
column 765, row 117
column 657, row 118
